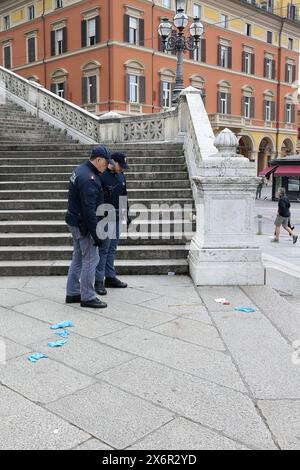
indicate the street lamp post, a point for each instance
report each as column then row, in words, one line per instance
column 175, row 41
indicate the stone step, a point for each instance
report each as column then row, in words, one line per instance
column 54, row 204
column 53, row 253
column 76, row 146
column 64, row 239
column 85, row 154
column 15, row 169
column 128, row 267
column 63, row 185
column 76, row 161
column 63, row 194
column 134, row 176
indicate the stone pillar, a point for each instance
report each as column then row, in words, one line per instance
column 223, row 251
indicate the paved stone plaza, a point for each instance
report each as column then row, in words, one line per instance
column 164, row 367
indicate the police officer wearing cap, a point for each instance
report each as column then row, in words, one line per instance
column 114, row 184
column 85, row 195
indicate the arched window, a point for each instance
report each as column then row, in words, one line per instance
column 59, row 80
column 91, row 85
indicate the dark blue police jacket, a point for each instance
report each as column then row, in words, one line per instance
column 114, row 186
column 85, row 196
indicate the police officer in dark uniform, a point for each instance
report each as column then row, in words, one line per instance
column 85, row 196
column 115, row 195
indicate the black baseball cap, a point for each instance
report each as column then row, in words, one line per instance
column 121, row 159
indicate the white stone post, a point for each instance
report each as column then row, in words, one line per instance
column 223, row 251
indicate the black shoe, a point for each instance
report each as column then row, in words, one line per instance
column 96, row 303
column 115, row 283
column 295, row 239
column 73, row 300
column 100, row 289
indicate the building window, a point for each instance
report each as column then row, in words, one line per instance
column 7, row 57
column 31, row 12
column 6, row 22
column 58, row 89
column 270, row 68
column 269, row 107
column 59, row 41
column 59, row 83
column 248, row 103
column 90, row 31
column 90, row 83
column 134, row 30
column 197, row 11
column 248, row 63
column 225, row 56
column 269, row 37
column 31, row 49
column 248, row 29
column 290, row 111
column 166, row 4
column 292, row 11
column 199, row 54
column 290, row 73
column 135, row 81
column 224, row 21
column 224, row 103
column 166, row 95
column 133, row 89
column 59, row 3
column 224, row 98
column 290, row 44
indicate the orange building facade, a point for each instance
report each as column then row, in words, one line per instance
column 105, row 55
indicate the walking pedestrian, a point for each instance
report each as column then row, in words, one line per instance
column 283, row 217
column 115, row 188
column 85, row 196
column 259, row 189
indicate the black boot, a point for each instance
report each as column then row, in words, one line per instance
column 100, row 289
column 96, row 303
column 115, row 283
column 73, row 300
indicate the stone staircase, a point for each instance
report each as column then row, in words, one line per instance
column 36, row 161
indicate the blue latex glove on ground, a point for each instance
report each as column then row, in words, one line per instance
column 63, row 325
column 245, row 309
column 57, row 344
column 63, row 333
column 36, row 357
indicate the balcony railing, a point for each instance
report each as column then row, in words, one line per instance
column 220, row 121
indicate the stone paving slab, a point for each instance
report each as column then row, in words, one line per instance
column 161, row 280
column 131, row 295
column 234, row 295
column 278, row 310
column 283, row 417
column 93, row 444
column 211, row 365
column 11, row 297
column 174, row 292
column 26, row 426
column 192, row 332
column 22, row 329
column 182, row 434
column 84, row 355
column 13, row 282
column 113, row 416
column 262, row 355
column 13, row 349
column 44, row 381
column 220, row 408
column 86, row 323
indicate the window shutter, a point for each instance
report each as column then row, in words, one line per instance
column 273, row 69
column 83, row 33
column 192, row 57
column 244, row 62
column 273, row 111
column 127, row 88
column 219, row 55
column 265, row 110
column 253, row 64
column 219, row 105
column 126, row 28
column 65, row 91
column 53, row 88
column 7, row 57
column 293, row 114
column 142, row 32
column 53, row 34
column 229, row 103
column 252, row 107
column 84, row 90
column 243, row 105
column 161, row 94
column 265, row 67
column 93, row 92
column 31, row 50
column 142, row 86
column 65, row 39
column 203, row 50
column 294, row 73
column 160, row 44
column 286, row 73
column 98, row 29
column 230, row 57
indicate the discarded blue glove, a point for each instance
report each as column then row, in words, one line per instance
column 36, row 357
column 63, row 325
column 63, row 333
column 57, row 344
column 245, row 309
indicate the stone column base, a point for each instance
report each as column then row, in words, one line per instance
column 226, row 267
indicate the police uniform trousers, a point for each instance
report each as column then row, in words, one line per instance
column 81, row 277
column 107, row 253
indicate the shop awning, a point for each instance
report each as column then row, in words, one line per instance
column 283, row 170
column 268, row 171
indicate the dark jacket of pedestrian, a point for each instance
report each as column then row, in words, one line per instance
column 284, row 207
